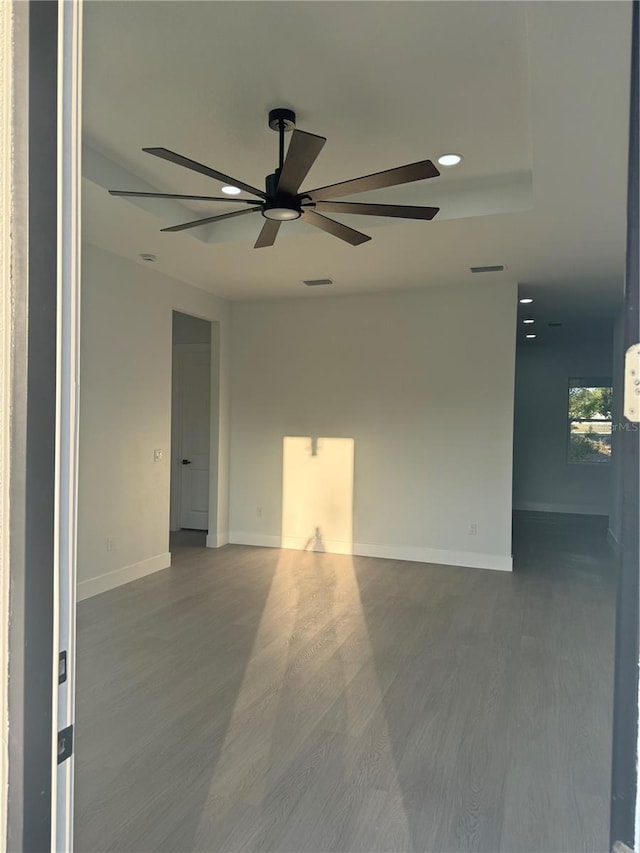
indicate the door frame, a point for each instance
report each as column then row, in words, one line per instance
column 625, row 811
column 40, row 357
column 218, row 429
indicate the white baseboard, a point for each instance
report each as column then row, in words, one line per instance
column 331, row 546
column 242, row 537
column 613, row 542
column 468, row 559
column 110, row 580
column 570, row 509
column 217, row 540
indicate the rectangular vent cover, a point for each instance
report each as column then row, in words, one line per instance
column 316, row 282
column 496, row 268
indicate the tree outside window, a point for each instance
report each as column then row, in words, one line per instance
column 590, row 403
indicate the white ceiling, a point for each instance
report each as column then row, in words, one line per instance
column 534, row 95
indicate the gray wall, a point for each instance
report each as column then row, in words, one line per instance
column 542, row 477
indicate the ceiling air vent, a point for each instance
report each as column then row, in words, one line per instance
column 316, row 282
column 496, row 268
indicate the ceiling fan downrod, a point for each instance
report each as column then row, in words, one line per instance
column 279, row 206
column 282, row 121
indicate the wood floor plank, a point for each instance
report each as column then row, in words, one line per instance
column 251, row 699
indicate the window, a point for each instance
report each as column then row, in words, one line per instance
column 590, row 421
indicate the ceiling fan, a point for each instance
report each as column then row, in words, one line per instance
column 281, row 201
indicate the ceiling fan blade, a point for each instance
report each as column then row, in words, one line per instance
column 390, row 178
column 268, row 233
column 345, row 233
column 179, row 160
column 206, row 221
column 231, row 199
column 403, row 211
column 301, row 155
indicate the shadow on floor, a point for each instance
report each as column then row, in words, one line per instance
column 507, row 746
column 160, row 663
column 187, row 539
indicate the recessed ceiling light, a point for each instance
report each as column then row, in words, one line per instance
column 231, row 190
column 450, row 159
column 148, row 257
column 529, row 336
column 526, row 301
column 528, row 321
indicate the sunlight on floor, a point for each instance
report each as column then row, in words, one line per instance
column 323, row 689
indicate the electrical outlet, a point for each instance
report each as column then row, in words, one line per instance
column 110, row 543
column 259, row 512
column 473, row 529
column 157, row 455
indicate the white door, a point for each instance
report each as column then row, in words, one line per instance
column 194, row 407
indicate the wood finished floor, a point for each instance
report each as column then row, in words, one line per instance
column 251, row 699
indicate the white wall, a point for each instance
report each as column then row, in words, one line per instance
column 423, row 381
column 543, row 480
column 125, row 413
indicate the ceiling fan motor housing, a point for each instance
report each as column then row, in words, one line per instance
column 279, row 206
column 271, row 184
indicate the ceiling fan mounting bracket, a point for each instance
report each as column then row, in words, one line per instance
column 282, row 118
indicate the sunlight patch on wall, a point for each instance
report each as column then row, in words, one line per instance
column 317, row 494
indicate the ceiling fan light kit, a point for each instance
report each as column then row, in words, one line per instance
column 281, row 200
column 280, row 214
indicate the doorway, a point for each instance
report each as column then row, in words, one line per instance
column 190, row 429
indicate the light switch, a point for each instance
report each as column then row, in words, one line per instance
column 157, row 455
